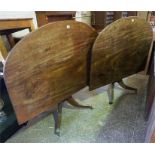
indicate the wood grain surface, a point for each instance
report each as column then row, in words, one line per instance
column 120, row 50
column 47, row 67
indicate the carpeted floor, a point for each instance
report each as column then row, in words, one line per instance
column 120, row 122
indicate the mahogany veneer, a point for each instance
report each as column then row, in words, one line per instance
column 120, row 50
column 48, row 66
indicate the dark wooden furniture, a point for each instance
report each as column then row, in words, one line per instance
column 100, row 19
column 119, row 51
column 59, row 61
column 44, row 17
column 9, row 26
column 53, row 68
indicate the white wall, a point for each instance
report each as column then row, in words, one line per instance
column 83, row 16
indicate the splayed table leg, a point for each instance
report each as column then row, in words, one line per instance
column 111, row 93
column 123, row 85
column 72, row 101
column 57, row 114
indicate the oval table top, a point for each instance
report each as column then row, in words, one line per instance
column 120, row 50
column 48, row 66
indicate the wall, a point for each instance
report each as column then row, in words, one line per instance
column 83, row 16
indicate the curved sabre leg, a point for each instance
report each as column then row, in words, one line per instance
column 72, row 101
column 123, row 85
column 57, row 114
column 111, row 93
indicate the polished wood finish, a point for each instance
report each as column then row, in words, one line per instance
column 45, row 17
column 120, row 50
column 48, row 66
